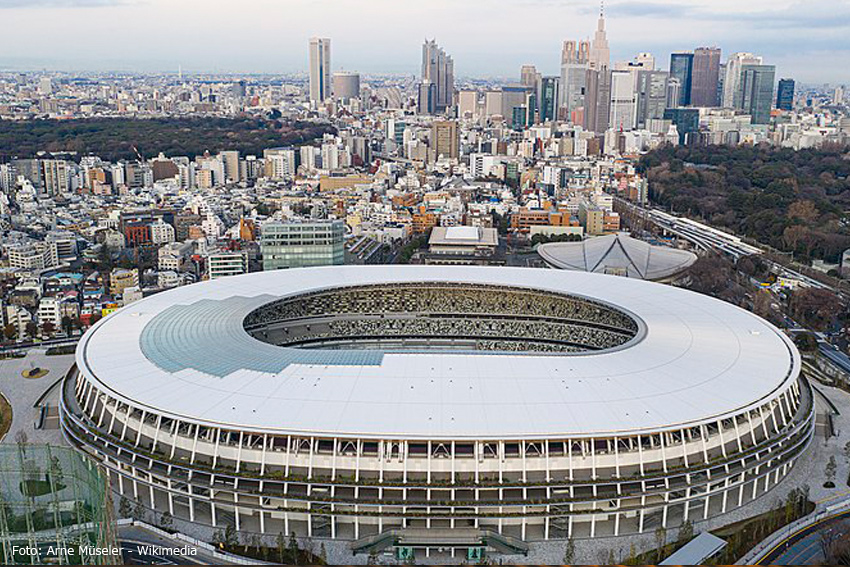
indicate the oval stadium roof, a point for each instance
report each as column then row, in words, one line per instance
column 185, row 353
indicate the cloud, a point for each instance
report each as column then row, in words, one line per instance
column 21, row 4
column 815, row 14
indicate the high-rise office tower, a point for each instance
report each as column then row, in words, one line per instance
column 438, row 68
column 651, row 93
column 320, row 69
column 838, row 95
column 706, row 73
column 530, row 77
column 682, row 67
column 549, row 99
column 732, row 79
column 576, row 52
column 686, row 121
column 674, row 91
column 427, row 101
column 756, row 91
column 597, row 108
column 622, row 100
column 785, row 94
column 444, row 139
column 600, row 53
column 575, row 59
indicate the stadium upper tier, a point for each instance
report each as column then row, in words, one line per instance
column 411, row 352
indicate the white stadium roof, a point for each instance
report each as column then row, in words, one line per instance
column 184, row 353
column 617, row 253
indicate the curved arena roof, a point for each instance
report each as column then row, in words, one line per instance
column 185, row 353
column 617, row 253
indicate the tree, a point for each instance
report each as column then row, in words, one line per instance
column 55, row 471
column 47, row 329
column 67, row 325
column 660, row 543
column 828, row 540
column 10, row 332
column 139, row 511
column 230, row 537
column 281, row 546
column 570, row 552
column 831, row 469
column 293, row 549
column 710, row 275
column 815, row 308
column 686, row 533
column 218, row 538
column 806, row 342
column 125, row 509
column 805, row 211
column 32, row 329
column 166, row 521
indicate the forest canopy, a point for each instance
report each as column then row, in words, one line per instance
column 795, row 201
column 114, row 138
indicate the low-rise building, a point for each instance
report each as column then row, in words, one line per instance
column 227, row 264
column 463, row 245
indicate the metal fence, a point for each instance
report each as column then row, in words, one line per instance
column 54, row 508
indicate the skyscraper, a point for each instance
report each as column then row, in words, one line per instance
column 682, row 67
column 438, row 68
column 756, row 91
column 597, row 110
column 444, row 139
column 785, row 94
column 622, row 100
column 529, row 76
column 549, row 99
column 427, row 102
column 651, row 96
column 575, row 59
column 600, row 53
column 320, row 69
column 706, row 73
column 732, row 79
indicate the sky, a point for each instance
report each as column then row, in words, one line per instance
column 807, row 40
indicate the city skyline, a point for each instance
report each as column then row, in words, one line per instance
column 263, row 37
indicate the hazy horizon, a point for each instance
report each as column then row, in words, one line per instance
column 487, row 38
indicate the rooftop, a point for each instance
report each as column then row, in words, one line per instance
column 186, row 353
column 617, row 254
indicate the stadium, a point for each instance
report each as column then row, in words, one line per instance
column 448, row 407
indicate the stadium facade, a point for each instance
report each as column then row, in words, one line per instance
column 489, row 405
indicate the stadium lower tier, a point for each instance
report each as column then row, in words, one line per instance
column 269, row 482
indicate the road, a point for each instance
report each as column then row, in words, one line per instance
column 137, row 543
column 804, row 547
column 706, row 237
